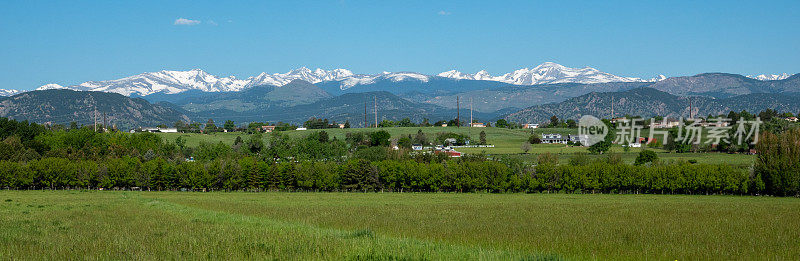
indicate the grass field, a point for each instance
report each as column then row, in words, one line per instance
column 507, row 142
column 177, row 225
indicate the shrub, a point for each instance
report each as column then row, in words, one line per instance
column 646, row 156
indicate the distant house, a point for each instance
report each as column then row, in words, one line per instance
column 341, row 125
column 664, row 124
column 444, row 124
column 416, row 147
column 553, row 138
column 301, row 128
column 449, row 152
column 267, row 128
column 530, row 126
column 792, row 119
column 582, row 139
column 164, row 130
column 450, row 141
column 478, row 124
column 715, row 124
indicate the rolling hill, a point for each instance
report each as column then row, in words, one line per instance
column 723, row 85
column 648, row 102
column 65, row 106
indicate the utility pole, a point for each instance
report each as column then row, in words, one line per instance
column 458, row 112
column 691, row 110
column 612, row 107
column 365, row 114
column 376, row 111
column 470, row 111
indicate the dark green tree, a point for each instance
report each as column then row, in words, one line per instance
column 210, row 127
column 380, row 138
column 646, row 156
column 229, row 125
column 255, row 143
column 501, row 123
column 554, row 122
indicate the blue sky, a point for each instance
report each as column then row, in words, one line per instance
column 69, row 42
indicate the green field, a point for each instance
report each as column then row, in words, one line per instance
column 507, row 143
column 176, row 225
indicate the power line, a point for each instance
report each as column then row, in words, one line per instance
column 458, row 112
column 365, row 113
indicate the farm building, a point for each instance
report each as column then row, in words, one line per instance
column 578, row 138
column 164, row 130
column 530, row 126
column 478, row 124
column 449, row 152
column 553, row 138
column 666, row 124
column 267, row 128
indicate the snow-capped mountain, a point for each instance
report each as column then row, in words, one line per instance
column 545, row 73
column 171, row 82
column 163, row 81
column 303, row 73
column 769, row 77
column 658, row 78
column 51, row 86
column 362, row 79
column 5, row 92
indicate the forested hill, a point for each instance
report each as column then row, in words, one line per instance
column 347, row 107
column 648, row 102
column 725, row 85
column 65, row 106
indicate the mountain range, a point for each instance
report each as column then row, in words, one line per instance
column 545, row 73
column 650, row 102
column 723, row 85
column 86, row 107
column 5, row 92
column 524, row 95
column 171, row 82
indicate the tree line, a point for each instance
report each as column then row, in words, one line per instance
column 35, row 157
column 466, row 175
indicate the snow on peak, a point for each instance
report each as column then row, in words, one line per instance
column 361, row 79
column 302, row 73
column 658, row 78
column 171, row 82
column 480, row 75
column 9, row 92
column 50, row 86
column 548, row 72
column 769, row 77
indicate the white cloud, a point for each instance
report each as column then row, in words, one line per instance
column 212, row 22
column 443, row 12
column 184, row 21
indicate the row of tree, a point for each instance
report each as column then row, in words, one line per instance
column 389, row 175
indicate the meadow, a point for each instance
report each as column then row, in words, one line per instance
column 507, row 143
column 392, row 226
